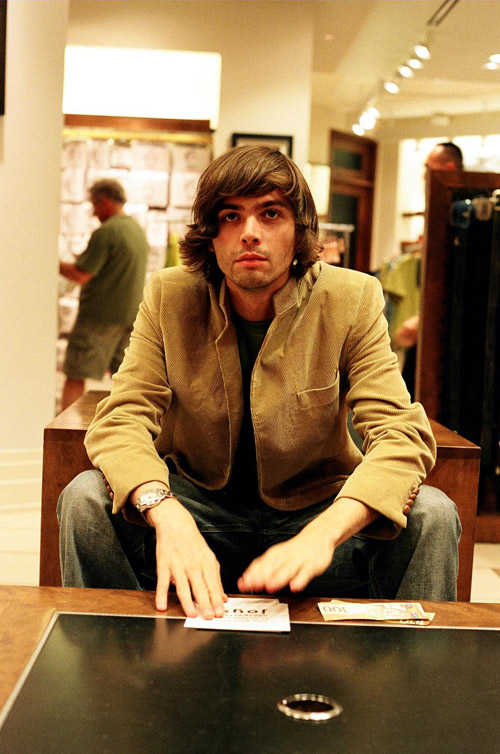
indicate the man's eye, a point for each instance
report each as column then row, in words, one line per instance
column 229, row 218
column 272, row 214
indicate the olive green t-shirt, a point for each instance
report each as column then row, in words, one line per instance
column 116, row 256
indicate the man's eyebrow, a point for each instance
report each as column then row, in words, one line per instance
column 274, row 203
column 228, row 205
column 263, row 205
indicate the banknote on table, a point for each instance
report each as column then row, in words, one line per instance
column 411, row 613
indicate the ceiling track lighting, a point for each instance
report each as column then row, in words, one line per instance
column 441, row 13
column 413, row 63
column 367, row 120
column 422, row 51
column 391, row 87
column 405, row 71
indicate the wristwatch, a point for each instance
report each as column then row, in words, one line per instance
column 151, row 499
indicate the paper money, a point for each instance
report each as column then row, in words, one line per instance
column 390, row 612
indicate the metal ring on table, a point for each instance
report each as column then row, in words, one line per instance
column 310, row 707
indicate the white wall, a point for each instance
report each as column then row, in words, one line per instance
column 266, row 50
column 30, row 158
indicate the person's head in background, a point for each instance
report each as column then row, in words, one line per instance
column 108, row 197
column 445, row 156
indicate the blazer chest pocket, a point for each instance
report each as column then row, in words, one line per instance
column 318, row 397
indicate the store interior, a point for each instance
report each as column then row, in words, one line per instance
column 302, row 73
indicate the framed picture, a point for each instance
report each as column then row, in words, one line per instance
column 282, row 143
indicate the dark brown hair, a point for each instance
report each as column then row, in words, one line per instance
column 110, row 188
column 249, row 171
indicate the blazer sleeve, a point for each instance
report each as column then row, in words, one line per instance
column 398, row 444
column 120, row 439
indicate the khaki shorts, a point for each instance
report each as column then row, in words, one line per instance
column 94, row 348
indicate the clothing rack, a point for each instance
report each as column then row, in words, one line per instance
column 458, row 356
column 342, row 230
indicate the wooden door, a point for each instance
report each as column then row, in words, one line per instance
column 352, row 161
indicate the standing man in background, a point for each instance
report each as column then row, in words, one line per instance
column 112, row 272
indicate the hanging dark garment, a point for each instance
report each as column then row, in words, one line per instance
column 468, row 310
column 490, row 417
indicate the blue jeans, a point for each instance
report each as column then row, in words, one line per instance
column 102, row 550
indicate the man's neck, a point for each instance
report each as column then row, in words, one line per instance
column 254, row 306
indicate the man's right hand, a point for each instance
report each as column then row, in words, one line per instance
column 183, row 558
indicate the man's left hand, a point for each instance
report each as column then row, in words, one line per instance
column 293, row 563
column 309, row 553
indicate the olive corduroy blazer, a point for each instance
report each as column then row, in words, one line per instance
column 178, row 396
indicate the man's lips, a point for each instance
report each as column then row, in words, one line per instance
column 251, row 256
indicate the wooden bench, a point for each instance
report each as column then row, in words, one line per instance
column 456, row 473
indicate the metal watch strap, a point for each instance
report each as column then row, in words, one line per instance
column 152, row 498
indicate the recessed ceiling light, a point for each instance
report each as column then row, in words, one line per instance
column 422, row 51
column 491, row 66
column 367, row 121
column 405, row 71
column 415, row 63
column 495, row 58
column 391, row 87
column 358, row 130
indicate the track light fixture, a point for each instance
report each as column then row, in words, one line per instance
column 422, row 51
column 413, row 63
column 391, row 87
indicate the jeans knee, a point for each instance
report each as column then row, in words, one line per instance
column 435, row 512
column 85, row 496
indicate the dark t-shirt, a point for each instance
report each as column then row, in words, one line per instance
column 243, row 481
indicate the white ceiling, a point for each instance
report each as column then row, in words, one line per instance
column 372, row 37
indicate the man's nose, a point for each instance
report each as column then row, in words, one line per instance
column 250, row 233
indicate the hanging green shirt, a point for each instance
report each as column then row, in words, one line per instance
column 116, row 256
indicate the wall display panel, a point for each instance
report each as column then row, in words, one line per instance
column 159, row 171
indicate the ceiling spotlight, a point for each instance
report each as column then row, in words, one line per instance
column 491, row 66
column 358, row 130
column 422, row 51
column 495, row 58
column 367, row 121
column 405, row 71
column 372, row 110
column 391, row 87
column 415, row 63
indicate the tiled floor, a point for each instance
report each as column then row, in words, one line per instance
column 19, row 554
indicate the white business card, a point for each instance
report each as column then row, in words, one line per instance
column 247, row 614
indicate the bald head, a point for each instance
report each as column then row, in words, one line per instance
column 445, row 156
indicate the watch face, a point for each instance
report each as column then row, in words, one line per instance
column 151, row 498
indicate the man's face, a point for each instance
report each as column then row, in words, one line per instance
column 255, row 244
column 102, row 207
